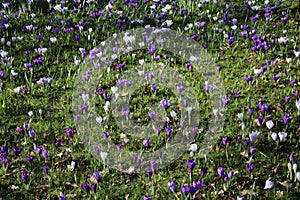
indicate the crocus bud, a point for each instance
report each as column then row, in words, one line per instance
column 295, row 168
column 290, row 167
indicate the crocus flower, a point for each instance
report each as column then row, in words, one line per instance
column 274, row 136
column 39, row 149
column 282, row 136
column 147, row 198
column 298, row 176
column 185, row 189
column 45, row 153
column 85, row 187
column 221, row 171
column 253, row 135
column 250, row 167
column 292, row 159
column 269, row 124
column 70, row 132
column 252, row 150
column 153, row 164
column 286, row 118
column 172, row 186
column 59, row 143
column 149, row 173
column 46, row 170
column 268, row 185
column 240, row 198
column 250, row 111
column 29, row 159
column 24, row 176
column 17, row 151
column 224, row 140
column 146, row 142
column 96, row 175
column 93, row 187
column 191, row 164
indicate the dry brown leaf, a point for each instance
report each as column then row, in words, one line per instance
column 71, row 184
column 244, row 154
column 245, row 192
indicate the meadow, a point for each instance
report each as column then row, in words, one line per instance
column 50, row 133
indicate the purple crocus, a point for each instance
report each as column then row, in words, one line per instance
column 85, row 187
column 17, row 151
column 191, row 164
column 70, row 132
column 29, row 159
column 250, row 167
column 224, row 140
column 172, row 186
column 24, row 176
column 96, row 175
column 146, row 142
column 59, row 143
column 185, row 189
column 221, row 171
column 287, row 118
column 292, row 159
column 252, row 150
column 38, row 149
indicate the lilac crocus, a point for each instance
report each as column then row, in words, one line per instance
column 221, row 171
column 224, row 141
column 252, row 150
column 253, row 135
column 172, row 186
column 146, row 142
column 269, row 185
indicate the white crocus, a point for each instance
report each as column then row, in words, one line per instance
column 270, row 124
column 298, row 176
column 282, row 136
column 268, row 185
column 103, row 156
column 295, row 167
column 274, row 136
column 240, row 116
column 173, row 114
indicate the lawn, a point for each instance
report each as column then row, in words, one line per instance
column 149, row 99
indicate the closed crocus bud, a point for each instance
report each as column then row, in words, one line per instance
column 85, row 187
column 298, row 176
column 252, row 150
column 268, row 185
column 240, row 116
column 290, row 167
column 191, row 164
column 292, row 159
column 274, row 136
column 295, row 167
